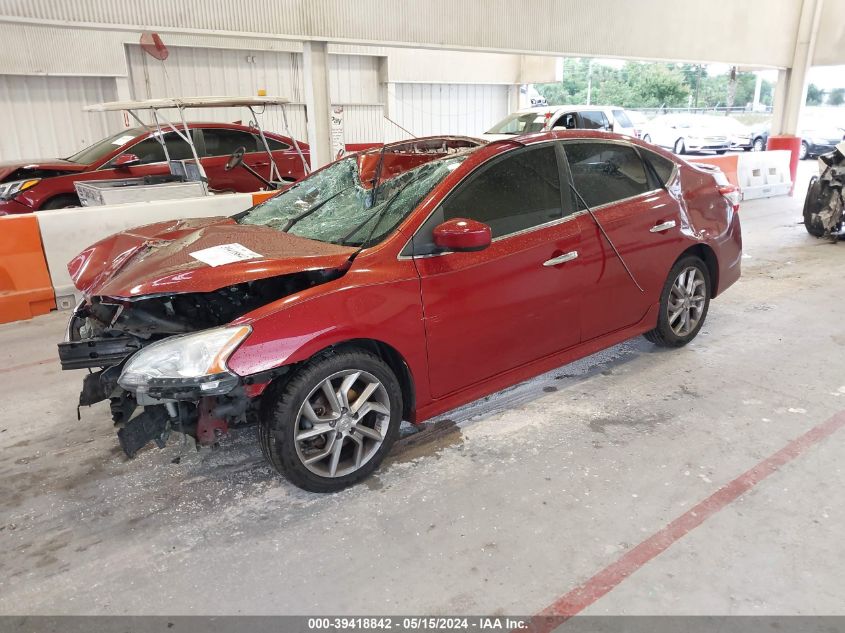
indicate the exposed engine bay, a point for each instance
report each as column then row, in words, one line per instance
column 824, row 204
column 104, row 333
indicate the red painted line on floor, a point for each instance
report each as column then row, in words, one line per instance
column 611, row 576
column 34, row 363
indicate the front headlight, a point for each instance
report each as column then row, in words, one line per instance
column 9, row 190
column 190, row 365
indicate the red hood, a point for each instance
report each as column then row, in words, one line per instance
column 59, row 164
column 155, row 259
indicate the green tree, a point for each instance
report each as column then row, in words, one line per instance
column 814, row 95
column 836, row 97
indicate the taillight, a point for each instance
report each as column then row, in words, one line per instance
column 731, row 194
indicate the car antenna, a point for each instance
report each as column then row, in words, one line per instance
column 606, row 236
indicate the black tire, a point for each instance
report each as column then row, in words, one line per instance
column 61, row 202
column 679, row 147
column 646, row 139
column 282, row 404
column 813, row 203
column 721, row 151
column 759, row 144
column 663, row 335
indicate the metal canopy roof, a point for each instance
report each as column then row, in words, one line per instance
column 186, row 102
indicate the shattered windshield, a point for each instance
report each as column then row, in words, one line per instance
column 519, row 124
column 334, row 206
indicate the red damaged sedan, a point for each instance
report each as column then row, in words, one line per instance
column 33, row 185
column 397, row 283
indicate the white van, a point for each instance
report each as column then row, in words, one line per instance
column 542, row 119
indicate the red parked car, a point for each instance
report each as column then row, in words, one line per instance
column 397, row 284
column 33, row 185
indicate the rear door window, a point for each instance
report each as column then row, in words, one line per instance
column 594, row 120
column 223, row 142
column 606, row 172
column 517, row 192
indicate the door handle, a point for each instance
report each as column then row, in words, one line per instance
column 561, row 259
column 663, row 227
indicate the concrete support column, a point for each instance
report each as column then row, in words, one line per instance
column 792, row 83
column 317, row 102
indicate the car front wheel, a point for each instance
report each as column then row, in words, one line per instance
column 683, row 304
column 331, row 424
column 679, row 146
column 759, row 145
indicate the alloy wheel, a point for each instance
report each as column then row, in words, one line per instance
column 686, row 301
column 758, row 145
column 342, row 423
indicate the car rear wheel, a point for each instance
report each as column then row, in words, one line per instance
column 804, row 152
column 331, row 424
column 683, row 304
column 679, row 146
column 61, row 202
column 759, row 145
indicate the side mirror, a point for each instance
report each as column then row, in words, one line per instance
column 461, row 234
column 125, row 160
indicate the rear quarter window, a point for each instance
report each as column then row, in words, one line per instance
column 663, row 167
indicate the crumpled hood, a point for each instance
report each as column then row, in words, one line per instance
column 155, row 259
column 7, row 167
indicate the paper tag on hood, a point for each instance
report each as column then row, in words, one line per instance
column 224, row 254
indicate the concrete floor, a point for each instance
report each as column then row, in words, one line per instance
column 536, row 490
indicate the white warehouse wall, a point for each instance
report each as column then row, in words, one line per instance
column 45, row 117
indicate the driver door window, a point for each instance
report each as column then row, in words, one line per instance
column 150, row 150
column 516, row 193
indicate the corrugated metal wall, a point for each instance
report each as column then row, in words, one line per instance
column 712, row 30
column 425, row 109
column 44, row 116
column 353, row 82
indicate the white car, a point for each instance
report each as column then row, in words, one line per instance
column 688, row 133
column 542, row 119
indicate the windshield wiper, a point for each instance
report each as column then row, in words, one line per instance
column 374, row 214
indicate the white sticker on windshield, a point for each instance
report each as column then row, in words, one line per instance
column 224, row 254
column 123, row 140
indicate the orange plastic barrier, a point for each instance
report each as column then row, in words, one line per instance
column 261, row 196
column 728, row 165
column 25, row 287
column 793, row 144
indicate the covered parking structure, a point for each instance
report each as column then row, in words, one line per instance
column 704, row 481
